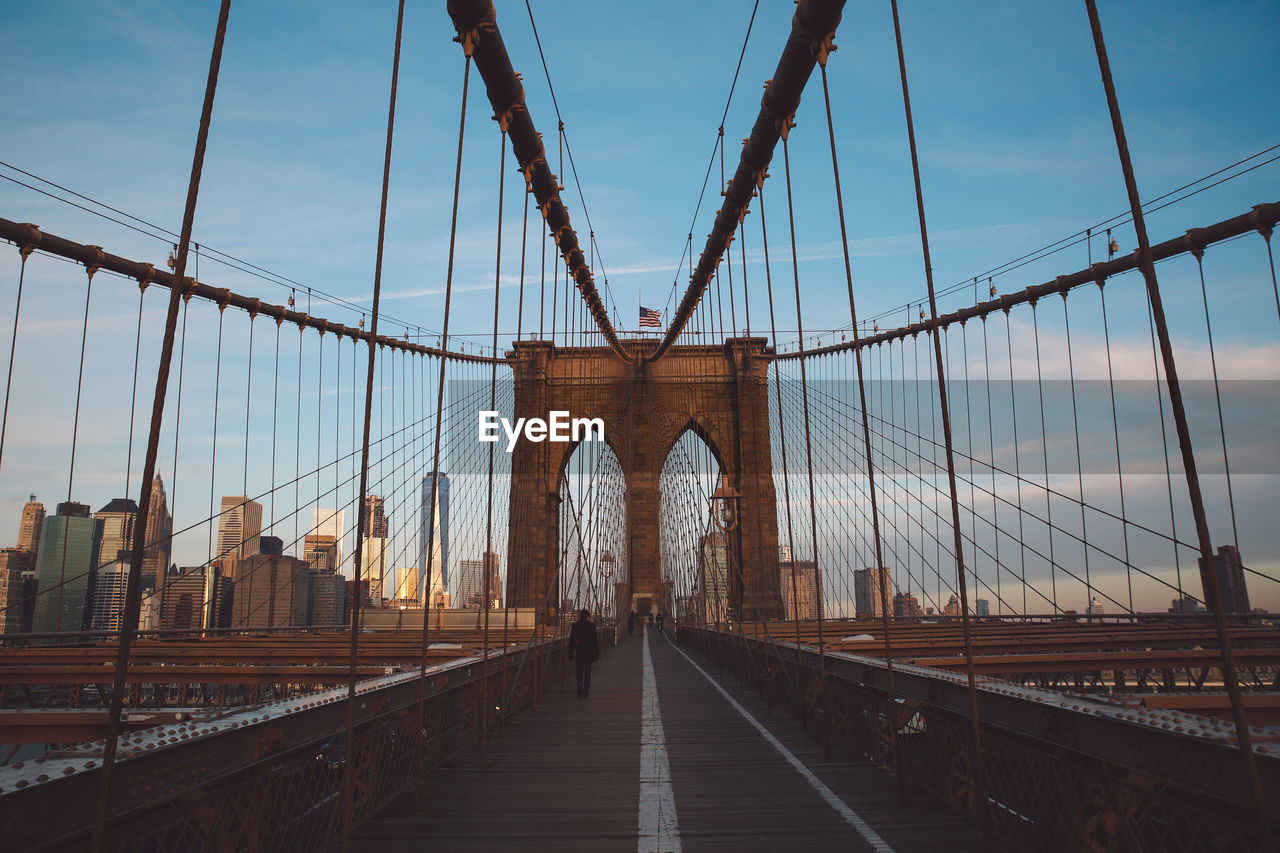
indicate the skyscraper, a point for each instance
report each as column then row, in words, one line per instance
column 118, row 521
column 109, row 585
column 30, row 527
column 13, row 562
column 329, row 522
column 320, row 551
column 271, row 590
column 906, row 604
column 407, row 584
column 159, row 537
column 805, row 592
column 239, row 529
column 435, row 528
column 471, row 576
column 187, row 597
column 326, row 599
column 373, row 558
column 867, row 586
column 70, row 544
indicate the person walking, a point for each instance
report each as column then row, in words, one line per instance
column 584, row 650
column 631, row 623
column 659, row 621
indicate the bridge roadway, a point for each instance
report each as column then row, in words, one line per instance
column 571, row 776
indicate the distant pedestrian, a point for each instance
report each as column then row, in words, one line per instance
column 659, row 621
column 631, row 623
column 584, row 650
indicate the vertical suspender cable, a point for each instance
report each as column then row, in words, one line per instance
column 353, row 754
column 132, row 603
column 787, row 124
column 1209, row 574
column 866, row 427
column 468, row 47
column 979, row 789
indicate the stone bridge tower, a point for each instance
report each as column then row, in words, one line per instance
column 720, row 392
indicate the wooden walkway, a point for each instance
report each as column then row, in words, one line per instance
column 571, row 776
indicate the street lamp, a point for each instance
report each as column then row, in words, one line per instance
column 607, row 562
column 724, row 506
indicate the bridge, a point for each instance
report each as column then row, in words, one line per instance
column 845, row 599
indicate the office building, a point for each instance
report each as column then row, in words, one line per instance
column 471, row 580
column 320, row 551
column 407, row 585
column 271, row 591
column 799, row 594
column 373, row 556
column 66, row 564
column 189, row 598
column 871, row 589
column 1095, row 607
column 434, row 527
column 29, row 528
column 952, row 607
column 329, row 522
column 109, row 585
column 982, row 607
column 1186, row 604
column 1231, row 580
column 326, row 598
column 159, row 537
column 906, row 604
column 14, row 562
column 239, row 529
column 119, row 519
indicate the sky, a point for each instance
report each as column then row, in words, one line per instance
column 1015, row 145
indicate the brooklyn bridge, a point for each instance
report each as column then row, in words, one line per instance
column 1019, row 593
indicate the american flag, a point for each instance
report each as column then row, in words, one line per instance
column 649, row 317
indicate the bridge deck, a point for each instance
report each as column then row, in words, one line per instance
column 569, row 777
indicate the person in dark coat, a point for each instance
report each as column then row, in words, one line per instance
column 631, row 623
column 584, row 650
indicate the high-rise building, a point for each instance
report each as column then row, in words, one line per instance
column 239, row 529
column 868, row 586
column 407, row 585
column 471, row 577
column 434, row 527
column 30, row 527
column 952, row 607
column 982, row 607
column 374, row 517
column 373, row 552
column 118, row 521
column 326, row 599
column 906, row 604
column 109, row 585
column 373, row 568
column 159, row 537
column 271, row 590
column 799, row 594
column 13, row 563
column 1095, row 607
column 190, row 596
column 1186, row 604
column 66, row 563
column 329, row 522
column 1231, row 581
column 320, row 551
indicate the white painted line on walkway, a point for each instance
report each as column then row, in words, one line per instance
column 659, row 829
column 850, row 816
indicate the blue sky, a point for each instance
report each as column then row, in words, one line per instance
column 1015, row 146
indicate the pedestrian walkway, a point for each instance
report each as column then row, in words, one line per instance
column 664, row 757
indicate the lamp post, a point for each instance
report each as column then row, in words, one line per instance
column 607, row 563
column 724, row 512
